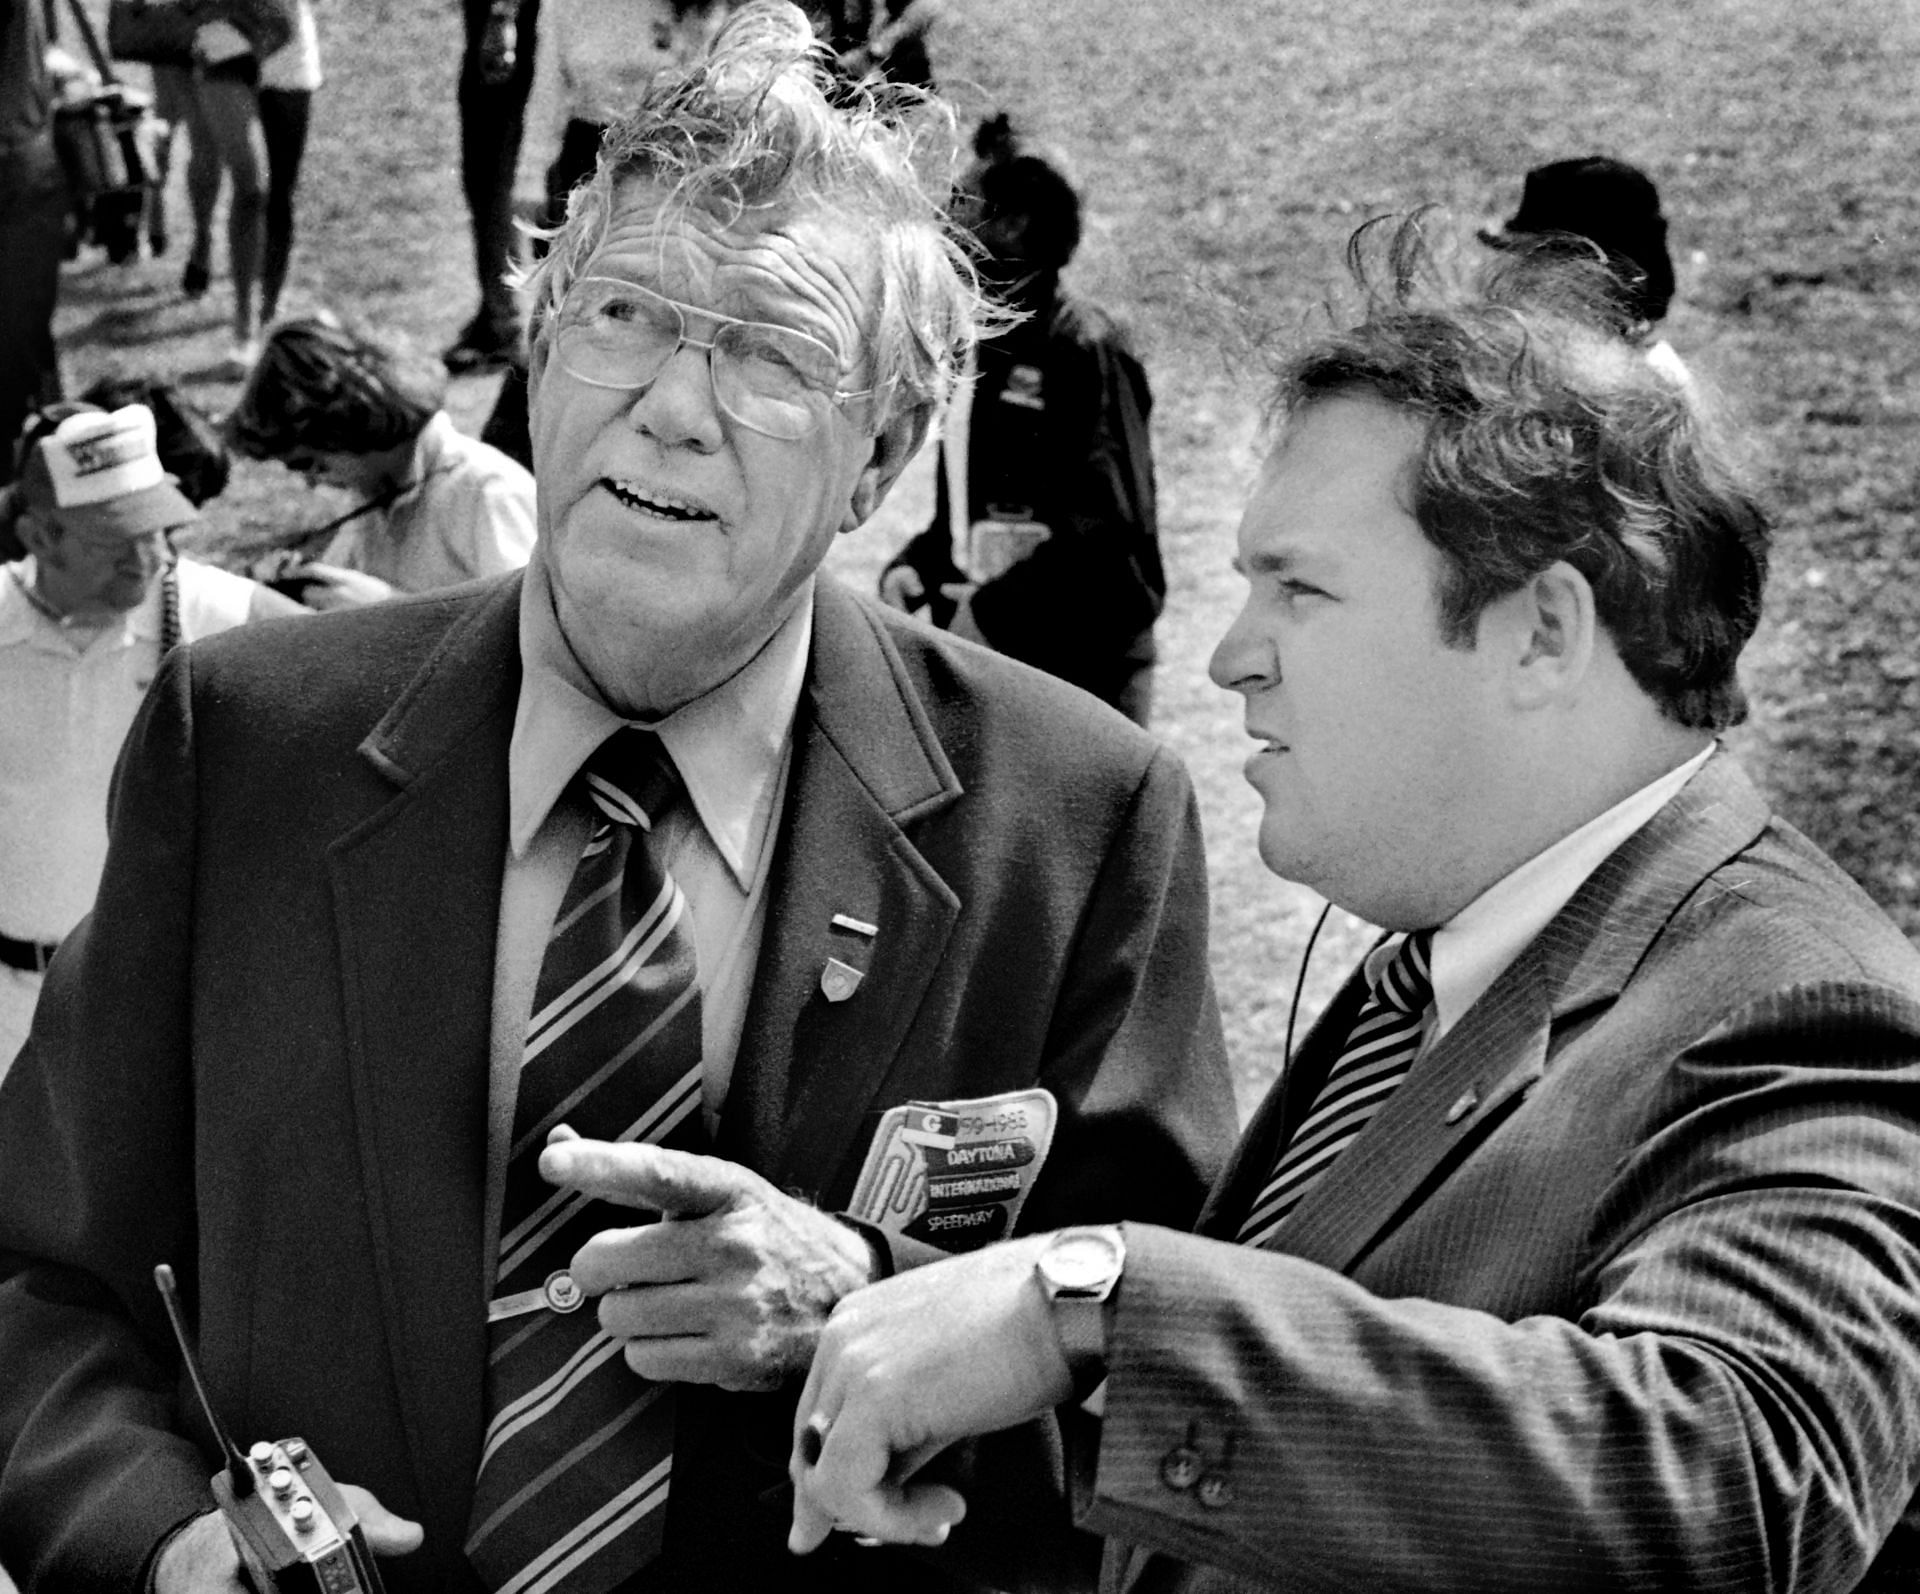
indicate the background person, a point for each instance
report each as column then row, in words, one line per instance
column 1614, row 206
column 496, row 76
column 1580, row 1246
column 85, row 617
column 1044, row 541
column 606, row 53
column 364, row 411
column 33, row 219
column 886, row 39
column 887, row 867
column 289, row 79
column 219, row 94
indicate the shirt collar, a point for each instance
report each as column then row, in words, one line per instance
column 430, row 447
column 1473, row 948
column 727, row 744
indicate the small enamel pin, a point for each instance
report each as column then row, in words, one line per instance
column 840, row 980
column 1467, row 1100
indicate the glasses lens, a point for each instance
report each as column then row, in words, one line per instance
column 616, row 334
column 774, row 379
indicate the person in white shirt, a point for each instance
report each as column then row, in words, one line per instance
column 1580, row 1244
column 363, row 411
column 84, row 619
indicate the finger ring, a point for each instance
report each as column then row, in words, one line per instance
column 813, row 1436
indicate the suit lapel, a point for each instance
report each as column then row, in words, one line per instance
column 416, row 890
column 1482, row 1067
column 866, row 762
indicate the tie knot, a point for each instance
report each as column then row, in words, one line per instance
column 630, row 777
column 1406, row 982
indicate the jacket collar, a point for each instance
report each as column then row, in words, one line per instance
column 867, row 766
column 1482, row 1066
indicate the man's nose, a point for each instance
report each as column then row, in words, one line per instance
column 1243, row 660
column 679, row 407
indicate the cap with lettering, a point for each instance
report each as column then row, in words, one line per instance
column 100, row 471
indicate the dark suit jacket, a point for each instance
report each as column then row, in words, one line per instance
column 1621, row 1289
column 265, row 1056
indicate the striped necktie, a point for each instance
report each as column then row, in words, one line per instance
column 1380, row 1048
column 572, row 1488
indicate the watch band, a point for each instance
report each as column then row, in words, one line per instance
column 1078, row 1273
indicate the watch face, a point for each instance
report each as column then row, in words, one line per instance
column 1081, row 1260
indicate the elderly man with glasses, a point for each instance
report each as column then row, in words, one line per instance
column 668, row 879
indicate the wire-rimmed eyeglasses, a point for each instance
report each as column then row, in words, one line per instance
column 774, row 379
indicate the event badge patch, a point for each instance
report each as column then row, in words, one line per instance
column 955, row 1173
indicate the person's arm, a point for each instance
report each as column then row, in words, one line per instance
column 263, row 603
column 1733, row 1408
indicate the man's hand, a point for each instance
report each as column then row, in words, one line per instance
column 730, row 1288
column 201, row 1558
column 903, row 1370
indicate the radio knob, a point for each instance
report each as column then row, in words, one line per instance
column 280, row 1481
column 261, row 1455
column 302, row 1513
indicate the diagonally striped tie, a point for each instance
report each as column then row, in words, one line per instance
column 572, row 1487
column 1380, row 1048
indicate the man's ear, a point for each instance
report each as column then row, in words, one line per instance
column 1549, row 628
column 894, row 445
column 37, row 536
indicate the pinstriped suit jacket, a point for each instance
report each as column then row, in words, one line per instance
column 1620, row 1290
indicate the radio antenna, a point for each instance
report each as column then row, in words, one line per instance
column 239, row 1474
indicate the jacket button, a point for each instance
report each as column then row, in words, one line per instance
column 1180, row 1467
column 1215, row 1491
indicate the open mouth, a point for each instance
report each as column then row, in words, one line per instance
column 660, row 506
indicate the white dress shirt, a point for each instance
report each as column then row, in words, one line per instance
column 1474, row 948
column 732, row 748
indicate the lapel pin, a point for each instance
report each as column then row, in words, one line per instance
column 846, row 921
column 840, row 980
column 1466, row 1102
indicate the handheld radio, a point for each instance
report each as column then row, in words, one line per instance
column 294, row 1530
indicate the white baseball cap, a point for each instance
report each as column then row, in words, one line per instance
column 100, row 471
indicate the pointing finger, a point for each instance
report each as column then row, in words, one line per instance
column 678, row 1183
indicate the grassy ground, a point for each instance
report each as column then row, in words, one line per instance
column 1228, row 148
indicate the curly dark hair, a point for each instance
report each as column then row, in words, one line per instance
column 323, row 385
column 1548, row 438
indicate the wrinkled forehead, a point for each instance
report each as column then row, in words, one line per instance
column 806, row 265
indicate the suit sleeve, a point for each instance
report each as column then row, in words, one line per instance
column 96, row 1185
column 1731, row 1408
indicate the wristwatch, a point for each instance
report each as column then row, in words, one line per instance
column 1077, row 1272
